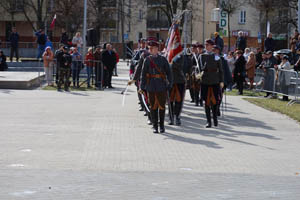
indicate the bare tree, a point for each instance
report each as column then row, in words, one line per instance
column 230, row 7
column 69, row 14
column 10, row 7
column 265, row 7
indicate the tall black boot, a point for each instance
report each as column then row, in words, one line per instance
column 208, row 116
column 171, row 115
column 192, row 94
column 154, row 117
column 215, row 114
column 149, row 121
column 162, row 120
column 178, row 106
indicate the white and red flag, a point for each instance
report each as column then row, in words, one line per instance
column 53, row 22
column 173, row 44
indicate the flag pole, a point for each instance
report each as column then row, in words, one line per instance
column 84, row 28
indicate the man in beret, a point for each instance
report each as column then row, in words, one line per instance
column 156, row 79
column 212, row 81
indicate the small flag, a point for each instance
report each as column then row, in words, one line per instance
column 53, row 22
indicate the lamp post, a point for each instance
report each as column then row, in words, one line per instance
column 84, row 27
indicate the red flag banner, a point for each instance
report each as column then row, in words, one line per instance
column 173, row 43
column 53, row 22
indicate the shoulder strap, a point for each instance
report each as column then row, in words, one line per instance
column 156, row 67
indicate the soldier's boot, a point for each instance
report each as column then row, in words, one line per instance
column 162, row 121
column 197, row 99
column 215, row 109
column 177, row 113
column 149, row 122
column 171, row 119
column 154, row 117
column 208, row 116
column 192, row 94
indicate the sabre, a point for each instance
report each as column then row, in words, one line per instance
column 144, row 102
column 124, row 95
column 125, row 89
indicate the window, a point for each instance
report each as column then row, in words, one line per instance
column 140, row 15
column 157, row 15
column 157, row 36
column 242, row 18
column 140, row 35
column 17, row 5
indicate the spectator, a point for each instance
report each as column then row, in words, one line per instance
column 89, row 61
column 77, row 41
column 293, row 49
column 258, row 57
column 250, row 68
column 239, row 71
column 98, row 66
column 230, row 60
column 58, row 54
column 109, row 60
column 65, row 61
column 48, row 57
column 118, row 60
column 241, row 42
column 218, row 41
column 247, row 53
column 3, row 64
column 269, row 43
column 76, row 66
column 64, row 39
column 14, row 44
column 41, row 40
column 269, row 73
column 284, row 77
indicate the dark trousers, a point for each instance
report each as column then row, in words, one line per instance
column 14, row 50
column 75, row 76
column 98, row 74
column 240, row 84
column 210, row 94
column 64, row 77
column 108, row 75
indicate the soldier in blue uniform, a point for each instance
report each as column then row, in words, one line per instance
column 156, row 79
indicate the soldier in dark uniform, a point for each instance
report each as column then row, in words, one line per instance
column 58, row 54
column 136, row 79
column 136, row 68
column 190, row 79
column 65, row 61
column 156, row 79
column 211, row 81
column 180, row 63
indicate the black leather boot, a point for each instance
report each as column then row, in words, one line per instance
column 162, row 121
column 177, row 112
column 171, row 117
column 154, row 117
column 149, row 121
column 215, row 114
column 208, row 116
column 178, row 121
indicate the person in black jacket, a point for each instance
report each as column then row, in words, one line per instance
column 65, row 61
column 64, row 38
column 14, row 44
column 109, row 60
column 3, row 64
column 241, row 42
column 269, row 43
column 240, row 71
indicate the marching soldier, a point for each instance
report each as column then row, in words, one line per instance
column 65, row 61
column 190, row 79
column 156, row 79
column 212, row 80
column 137, row 75
column 182, row 62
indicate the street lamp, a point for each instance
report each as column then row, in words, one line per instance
column 84, row 27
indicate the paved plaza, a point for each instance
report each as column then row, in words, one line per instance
column 87, row 146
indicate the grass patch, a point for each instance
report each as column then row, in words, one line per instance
column 247, row 93
column 277, row 105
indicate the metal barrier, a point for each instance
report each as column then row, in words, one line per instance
column 282, row 82
column 97, row 75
